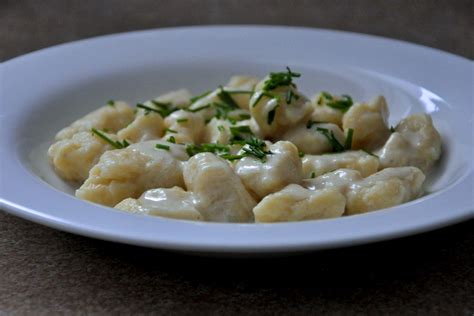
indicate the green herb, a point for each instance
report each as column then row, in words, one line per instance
column 111, row 102
column 182, row 120
column 240, row 133
column 271, row 115
column 115, row 143
column 161, row 146
column 291, row 95
column 164, row 109
column 343, row 104
column 392, row 129
column 280, row 79
column 370, row 153
column 253, row 147
column 194, row 99
column 261, row 94
column 311, row 123
column 226, row 98
column 198, row 108
column 172, row 140
column 221, row 128
column 222, row 110
column 327, row 95
column 240, row 92
column 169, row 130
column 256, row 148
column 348, row 142
column 244, row 116
column 313, row 175
column 193, row 149
column 231, row 157
column 301, row 154
column 147, row 108
column 336, row 146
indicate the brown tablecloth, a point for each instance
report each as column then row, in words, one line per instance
column 43, row 271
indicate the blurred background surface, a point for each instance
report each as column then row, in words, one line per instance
column 27, row 25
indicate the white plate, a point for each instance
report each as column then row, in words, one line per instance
column 44, row 91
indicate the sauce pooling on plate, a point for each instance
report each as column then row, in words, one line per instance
column 248, row 151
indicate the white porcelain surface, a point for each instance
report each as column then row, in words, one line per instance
column 46, row 90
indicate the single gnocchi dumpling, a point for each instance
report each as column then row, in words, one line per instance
column 369, row 123
column 295, row 203
column 178, row 98
column 310, row 140
column 242, row 88
column 327, row 108
column 275, row 109
column 147, row 125
column 73, row 157
column 221, row 196
column 316, row 165
column 340, row 179
column 173, row 203
column 415, row 142
column 186, row 127
column 109, row 118
column 242, row 82
column 129, row 172
column 282, row 167
column 386, row 188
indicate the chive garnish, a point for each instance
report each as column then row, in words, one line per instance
column 261, row 94
column 221, row 128
column 348, row 142
column 370, row 153
column 343, row 104
column 313, row 175
column 172, row 140
column 279, row 79
column 163, row 110
column 195, row 98
column 240, row 92
column 115, row 143
column 198, row 108
column 226, row 98
column 161, row 146
column 336, row 146
column 256, row 148
column 231, row 157
column 240, row 133
column 311, row 123
column 182, row 120
column 244, row 116
column 271, row 115
column 111, row 102
column 290, row 95
column 301, row 154
column 169, row 130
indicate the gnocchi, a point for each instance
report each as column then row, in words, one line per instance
column 250, row 151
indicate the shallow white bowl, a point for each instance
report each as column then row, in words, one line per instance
column 44, row 91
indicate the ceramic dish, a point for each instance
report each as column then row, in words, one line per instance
column 46, row 90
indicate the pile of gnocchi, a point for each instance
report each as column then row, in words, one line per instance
column 249, row 151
